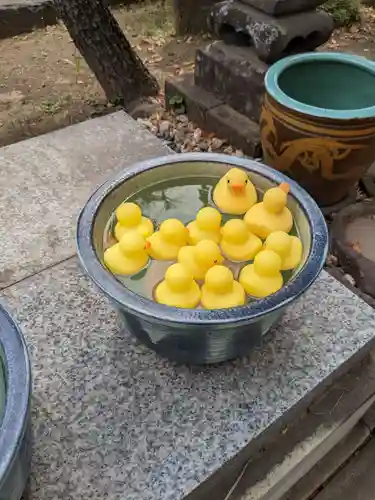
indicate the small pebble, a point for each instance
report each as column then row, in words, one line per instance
column 164, row 128
column 182, row 118
column 197, row 134
column 349, row 278
column 145, row 123
column 332, row 260
column 216, row 143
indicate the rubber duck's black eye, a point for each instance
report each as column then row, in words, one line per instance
column 246, row 182
column 215, row 261
column 228, row 181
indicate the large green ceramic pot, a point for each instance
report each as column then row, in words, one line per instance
column 318, row 121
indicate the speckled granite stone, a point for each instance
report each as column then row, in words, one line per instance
column 113, row 420
column 48, row 180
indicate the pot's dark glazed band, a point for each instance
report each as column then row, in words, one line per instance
column 143, row 307
column 14, row 427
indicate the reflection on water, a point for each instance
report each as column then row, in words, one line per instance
column 171, row 199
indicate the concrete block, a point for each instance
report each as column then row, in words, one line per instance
column 233, row 74
column 272, row 38
column 238, row 130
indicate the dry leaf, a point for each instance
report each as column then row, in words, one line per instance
column 355, row 246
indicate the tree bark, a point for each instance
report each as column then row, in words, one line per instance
column 98, row 37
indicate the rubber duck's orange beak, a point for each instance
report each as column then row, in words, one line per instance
column 147, row 245
column 284, row 186
column 238, row 188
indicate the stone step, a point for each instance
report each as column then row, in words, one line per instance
column 236, row 23
column 233, row 74
column 330, row 464
column 213, row 115
column 281, row 7
column 356, row 481
column 309, row 450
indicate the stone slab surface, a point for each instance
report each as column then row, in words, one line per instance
column 356, row 481
column 280, row 7
column 272, row 38
column 48, row 180
column 233, row 74
column 113, row 420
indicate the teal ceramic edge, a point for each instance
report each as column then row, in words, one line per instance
column 273, row 89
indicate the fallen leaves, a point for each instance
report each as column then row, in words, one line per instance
column 354, row 245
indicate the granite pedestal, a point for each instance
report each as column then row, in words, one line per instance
column 110, row 418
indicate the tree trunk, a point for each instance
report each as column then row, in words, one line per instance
column 106, row 50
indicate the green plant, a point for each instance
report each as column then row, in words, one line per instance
column 177, row 103
column 343, row 12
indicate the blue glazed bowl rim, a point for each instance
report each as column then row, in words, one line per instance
column 144, row 307
column 18, row 391
column 273, row 89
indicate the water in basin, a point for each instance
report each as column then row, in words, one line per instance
column 165, row 200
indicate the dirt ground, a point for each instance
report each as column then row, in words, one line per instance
column 45, row 84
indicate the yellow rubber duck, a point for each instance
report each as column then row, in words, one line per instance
column 206, row 226
column 200, row 258
column 220, row 290
column 263, row 277
column 288, row 247
column 271, row 214
column 178, row 289
column 129, row 218
column 167, row 242
column 234, row 193
column 238, row 244
column 129, row 256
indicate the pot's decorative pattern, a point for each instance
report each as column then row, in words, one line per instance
column 324, row 157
